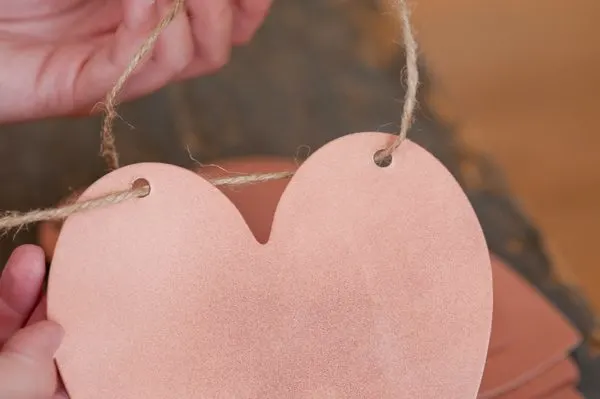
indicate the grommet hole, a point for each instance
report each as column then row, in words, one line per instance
column 382, row 160
column 142, row 187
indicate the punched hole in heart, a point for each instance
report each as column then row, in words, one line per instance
column 381, row 160
column 142, row 187
column 49, row 231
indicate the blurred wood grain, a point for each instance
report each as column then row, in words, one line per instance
column 521, row 82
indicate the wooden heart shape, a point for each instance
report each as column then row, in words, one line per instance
column 375, row 283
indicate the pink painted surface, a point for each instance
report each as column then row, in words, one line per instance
column 568, row 392
column 375, row 283
column 534, row 334
column 561, row 376
column 257, row 203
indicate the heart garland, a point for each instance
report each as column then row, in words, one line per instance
column 375, row 282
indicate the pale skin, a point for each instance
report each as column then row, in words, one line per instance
column 28, row 340
column 61, row 57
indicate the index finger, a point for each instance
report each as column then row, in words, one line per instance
column 20, row 288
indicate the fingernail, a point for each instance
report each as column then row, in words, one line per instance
column 28, row 254
column 38, row 341
column 56, row 335
column 53, row 335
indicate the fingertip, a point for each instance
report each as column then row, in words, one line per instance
column 26, row 267
column 248, row 17
column 212, row 26
column 50, row 327
column 242, row 31
column 174, row 59
column 240, row 37
column 53, row 333
column 22, row 279
column 27, row 367
column 38, row 341
column 27, row 256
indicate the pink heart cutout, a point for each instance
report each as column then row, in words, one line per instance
column 375, row 283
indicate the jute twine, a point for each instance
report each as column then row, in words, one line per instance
column 13, row 219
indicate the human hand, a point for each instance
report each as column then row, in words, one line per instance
column 27, row 340
column 62, row 56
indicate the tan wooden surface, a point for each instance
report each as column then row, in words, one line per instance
column 521, row 81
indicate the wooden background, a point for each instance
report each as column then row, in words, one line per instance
column 520, row 80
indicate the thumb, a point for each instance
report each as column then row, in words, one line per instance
column 27, row 369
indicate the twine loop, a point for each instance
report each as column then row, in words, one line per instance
column 109, row 152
